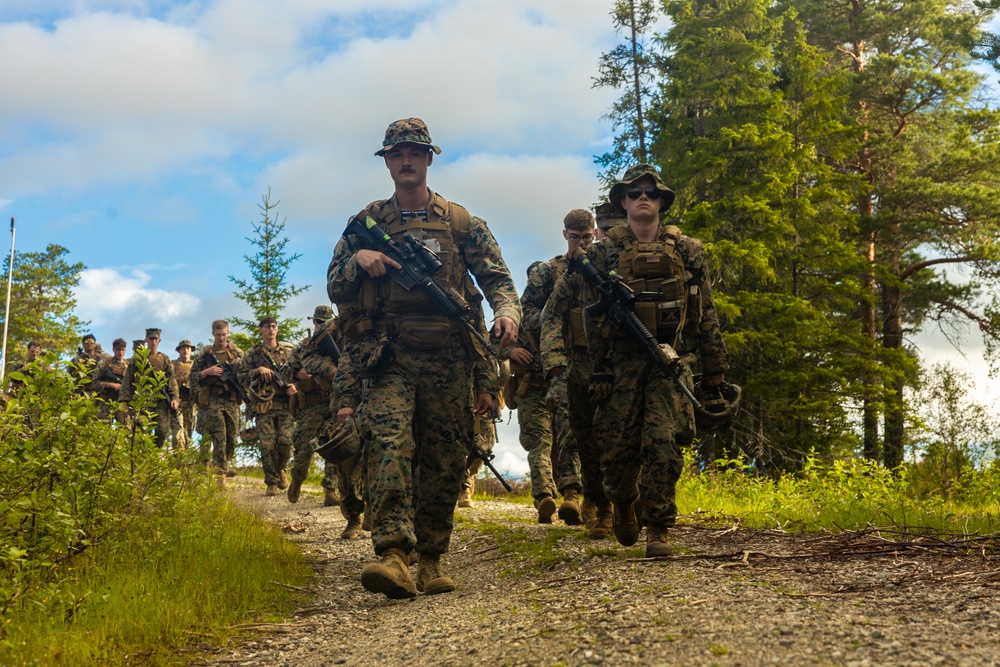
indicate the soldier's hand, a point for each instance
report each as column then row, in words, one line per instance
column 521, row 356
column 114, row 386
column 484, row 404
column 505, row 329
column 303, row 374
column 212, row 371
column 291, row 390
column 344, row 413
column 174, row 404
column 374, row 263
column 265, row 373
column 601, row 385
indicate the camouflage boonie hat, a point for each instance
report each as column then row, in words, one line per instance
column 408, row 130
column 608, row 216
column 633, row 174
column 322, row 313
column 152, row 333
column 184, row 343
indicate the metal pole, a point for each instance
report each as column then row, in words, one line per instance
column 6, row 312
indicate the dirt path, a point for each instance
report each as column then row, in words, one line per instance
column 545, row 595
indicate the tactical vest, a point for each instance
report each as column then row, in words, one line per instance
column 182, row 371
column 112, row 371
column 559, row 265
column 225, row 355
column 385, row 306
column 159, row 362
column 655, row 273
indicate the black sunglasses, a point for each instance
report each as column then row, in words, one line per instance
column 635, row 193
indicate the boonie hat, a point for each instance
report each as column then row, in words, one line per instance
column 633, row 174
column 408, row 130
column 608, row 216
column 184, row 343
column 322, row 313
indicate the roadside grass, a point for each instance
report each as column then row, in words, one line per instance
column 842, row 495
column 538, row 553
column 171, row 583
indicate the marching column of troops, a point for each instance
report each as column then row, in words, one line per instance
column 409, row 388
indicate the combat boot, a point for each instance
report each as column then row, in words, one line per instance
column 283, row 481
column 272, row 490
column 230, row 473
column 366, row 520
column 588, row 513
column 391, row 577
column 625, row 524
column 431, row 579
column 294, row 489
column 603, row 521
column 464, row 498
column 353, row 530
column 569, row 511
column 330, row 498
column 546, row 507
column 656, row 542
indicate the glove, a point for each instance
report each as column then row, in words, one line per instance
column 601, row 384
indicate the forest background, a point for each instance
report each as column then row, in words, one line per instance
column 838, row 158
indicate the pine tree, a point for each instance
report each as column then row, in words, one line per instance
column 267, row 292
column 42, row 301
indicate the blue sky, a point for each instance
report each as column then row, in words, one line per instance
column 141, row 134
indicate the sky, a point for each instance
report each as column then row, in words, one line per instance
column 142, row 134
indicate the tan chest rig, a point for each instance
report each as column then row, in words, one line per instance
column 159, row 362
column 655, row 273
column 182, row 371
column 410, row 317
column 225, row 355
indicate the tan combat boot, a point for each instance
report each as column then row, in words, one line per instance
column 656, row 542
column 353, row 530
column 603, row 521
column 625, row 524
column 330, row 498
column 294, row 489
column 391, row 577
column 588, row 513
column 431, row 579
column 569, row 511
column 546, row 507
column 272, row 490
column 464, row 498
column 283, row 482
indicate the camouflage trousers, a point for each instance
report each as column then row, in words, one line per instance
column 182, row 424
column 416, row 415
column 581, row 419
column 310, row 423
column 274, row 440
column 639, row 428
column 534, row 423
column 220, row 422
column 565, row 457
column 161, row 422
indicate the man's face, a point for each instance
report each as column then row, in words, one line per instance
column 636, row 199
column 184, row 353
column 578, row 239
column 220, row 338
column 407, row 164
column 119, row 353
column 89, row 346
column 152, row 342
column 33, row 351
column 269, row 332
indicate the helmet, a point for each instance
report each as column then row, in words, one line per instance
column 719, row 405
column 343, row 441
column 249, row 435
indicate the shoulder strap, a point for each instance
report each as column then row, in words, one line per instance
column 460, row 219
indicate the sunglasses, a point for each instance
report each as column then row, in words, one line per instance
column 650, row 192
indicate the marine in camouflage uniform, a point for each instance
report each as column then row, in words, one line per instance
column 421, row 365
column 565, row 355
column 86, row 359
column 182, row 421
column 106, row 381
column 271, row 396
column 218, row 404
column 312, row 373
column 161, row 365
column 487, row 379
column 644, row 417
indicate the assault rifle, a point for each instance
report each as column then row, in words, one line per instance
column 617, row 302
column 487, row 459
column 228, row 377
column 327, row 346
column 536, row 359
column 269, row 362
column 419, row 264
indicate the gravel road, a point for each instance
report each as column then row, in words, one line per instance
column 530, row 594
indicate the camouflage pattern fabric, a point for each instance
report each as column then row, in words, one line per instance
column 219, row 415
column 415, row 466
column 275, row 427
column 182, row 421
column 106, row 376
column 565, row 457
column 534, row 421
column 162, row 366
column 347, row 389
